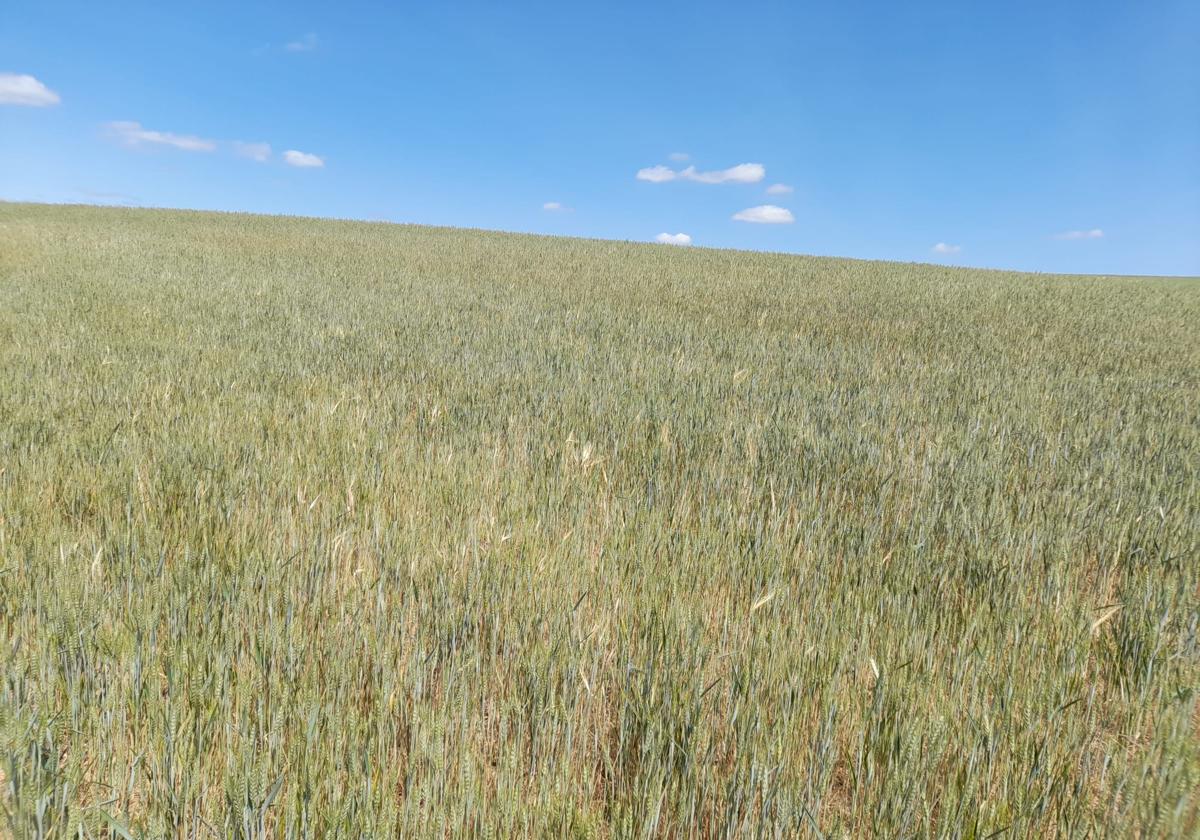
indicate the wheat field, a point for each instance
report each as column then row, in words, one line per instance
column 332, row 529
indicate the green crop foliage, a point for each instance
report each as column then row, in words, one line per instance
column 331, row 529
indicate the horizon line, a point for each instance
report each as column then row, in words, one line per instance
column 645, row 242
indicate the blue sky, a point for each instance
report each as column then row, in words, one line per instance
column 1042, row 136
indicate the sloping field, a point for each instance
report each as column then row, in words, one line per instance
column 315, row 528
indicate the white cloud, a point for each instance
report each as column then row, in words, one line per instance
column 306, row 44
column 679, row 157
column 1094, row 233
column 302, row 159
column 19, row 89
column 132, row 134
column 556, row 207
column 657, row 174
column 743, row 173
column 945, row 248
column 779, row 189
column 673, row 239
column 260, row 152
column 765, row 214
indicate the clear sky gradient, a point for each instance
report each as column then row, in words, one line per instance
column 1031, row 135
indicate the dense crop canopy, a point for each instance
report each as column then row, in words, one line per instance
column 340, row 529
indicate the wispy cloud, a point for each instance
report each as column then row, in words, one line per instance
column 133, row 135
column 945, row 248
column 556, row 207
column 679, row 157
column 1094, row 233
column 304, row 160
column 306, row 44
column 743, row 173
column 260, row 152
column 300, row 45
column 779, row 189
column 765, row 214
column 21, row 89
column 673, row 239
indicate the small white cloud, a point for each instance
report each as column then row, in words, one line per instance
column 779, row 189
column 302, row 159
column 673, row 239
column 306, row 44
column 657, row 174
column 556, row 207
column 765, row 214
column 1094, row 233
column 132, row 134
column 743, row 173
column 945, row 248
column 20, row 89
column 679, row 157
column 260, row 152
